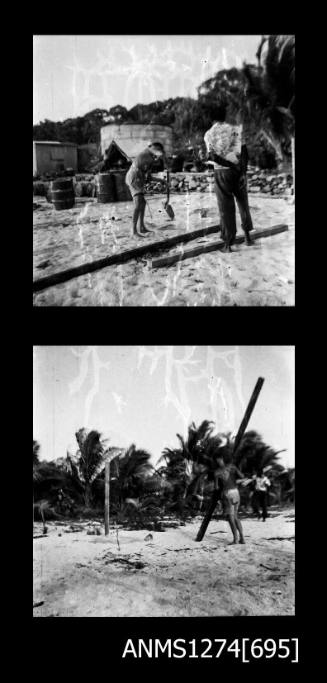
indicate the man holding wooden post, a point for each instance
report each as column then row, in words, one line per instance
column 225, row 474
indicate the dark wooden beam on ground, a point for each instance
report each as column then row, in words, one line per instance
column 237, row 441
column 121, row 257
column 171, row 259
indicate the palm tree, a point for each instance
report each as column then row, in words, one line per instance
column 270, row 92
column 176, row 472
column 129, row 473
column 89, row 460
column 36, row 451
column 253, row 454
column 187, row 467
column 279, row 69
column 197, row 438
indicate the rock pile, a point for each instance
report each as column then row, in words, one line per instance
column 265, row 181
column 258, row 181
column 182, row 182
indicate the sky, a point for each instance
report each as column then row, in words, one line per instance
column 147, row 394
column 74, row 74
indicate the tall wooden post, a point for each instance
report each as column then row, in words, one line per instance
column 238, row 438
column 106, row 501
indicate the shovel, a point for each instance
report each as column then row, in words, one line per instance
column 168, row 208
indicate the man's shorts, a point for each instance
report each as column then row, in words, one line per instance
column 135, row 181
column 231, row 501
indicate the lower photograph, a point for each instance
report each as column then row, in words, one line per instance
column 164, row 482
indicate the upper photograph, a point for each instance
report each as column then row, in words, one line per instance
column 164, row 170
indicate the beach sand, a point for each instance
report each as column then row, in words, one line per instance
column 261, row 275
column 170, row 574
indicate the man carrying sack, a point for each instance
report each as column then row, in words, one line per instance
column 229, row 158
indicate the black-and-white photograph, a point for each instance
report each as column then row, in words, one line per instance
column 164, row 481
column 164, row 170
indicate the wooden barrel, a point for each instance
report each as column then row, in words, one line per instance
column 62, row 193
column 79, row 189
column 122, row 191
column 105, row 188
column 39, row 189
column 90, row 190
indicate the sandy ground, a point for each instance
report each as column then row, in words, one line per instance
column 169, row 574
column 262, row 275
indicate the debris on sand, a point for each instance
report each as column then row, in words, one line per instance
column 281, row 538
column 149, row 537
column 44, row 264
column 136, row 564
column 93, row 532
column 71, row 531
column 38, row 604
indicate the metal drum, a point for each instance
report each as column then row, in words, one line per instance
column 62, row 194
column 105, row 188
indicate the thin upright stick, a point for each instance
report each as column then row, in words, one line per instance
column 106, row 502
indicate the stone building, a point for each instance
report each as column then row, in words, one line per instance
column 132, row 138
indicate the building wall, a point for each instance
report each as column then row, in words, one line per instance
column 133, row 138
column 51, row 158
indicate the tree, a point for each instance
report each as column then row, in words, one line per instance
column 279, row 70
column 117, row 114
column 129, row 472
column 90, row 459
column 223, row 94
column 270, row 92
column 253, row 453
column 36, row 452
column 188, row 467
column 45, row 130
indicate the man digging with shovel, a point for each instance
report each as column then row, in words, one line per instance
column 136, row 178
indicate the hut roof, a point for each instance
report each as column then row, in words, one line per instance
column 115, row 152
column 55, row 142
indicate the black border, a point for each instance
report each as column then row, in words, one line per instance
column 129, row 325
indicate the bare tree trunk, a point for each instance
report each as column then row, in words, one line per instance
column 87, row 495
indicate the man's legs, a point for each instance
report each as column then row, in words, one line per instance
column 138, row 200
column 241, row 197
column 264, row 505
column 255, row 504
column 238, row 524
column 234, row 522
column 233, row 526
column 226, row 204
column 143, row 229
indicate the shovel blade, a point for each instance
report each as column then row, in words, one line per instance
column 170, row 211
